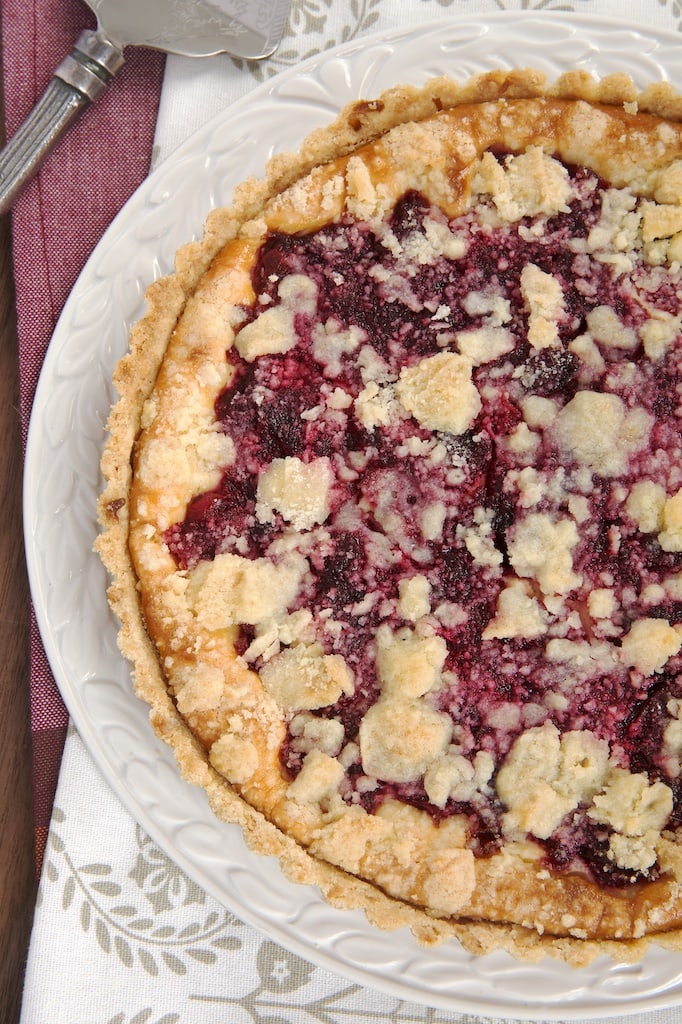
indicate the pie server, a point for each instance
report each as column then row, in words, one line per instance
column 249, row 29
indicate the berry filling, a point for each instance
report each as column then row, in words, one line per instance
column 470, row 512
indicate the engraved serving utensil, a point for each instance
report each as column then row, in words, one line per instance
column 248, row 29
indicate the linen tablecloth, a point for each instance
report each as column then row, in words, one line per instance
column 121, row 935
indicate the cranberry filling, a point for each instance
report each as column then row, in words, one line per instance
column 388, row 479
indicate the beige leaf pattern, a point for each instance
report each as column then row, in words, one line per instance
column 131, row 917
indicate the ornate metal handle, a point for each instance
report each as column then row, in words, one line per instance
column 78, row 81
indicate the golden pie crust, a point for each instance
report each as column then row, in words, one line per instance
column 457, row 147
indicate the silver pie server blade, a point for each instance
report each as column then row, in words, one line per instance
column 247, row 29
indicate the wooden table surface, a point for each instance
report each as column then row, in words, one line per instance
column 17, row 863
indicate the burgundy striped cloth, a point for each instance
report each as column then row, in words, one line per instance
column 56, row 223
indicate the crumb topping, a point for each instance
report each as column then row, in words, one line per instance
column 449, row 530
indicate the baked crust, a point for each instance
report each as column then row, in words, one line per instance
column 182, row 624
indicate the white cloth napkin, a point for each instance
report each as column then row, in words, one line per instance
column 121, row 935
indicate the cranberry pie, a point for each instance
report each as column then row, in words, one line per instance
column 393, row 511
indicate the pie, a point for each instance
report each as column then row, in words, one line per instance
column 393, row 512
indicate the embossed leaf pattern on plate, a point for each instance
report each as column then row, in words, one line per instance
column 68, row 584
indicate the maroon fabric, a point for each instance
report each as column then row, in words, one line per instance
column 56, row 223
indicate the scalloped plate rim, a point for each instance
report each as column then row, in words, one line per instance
column 42, row 585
